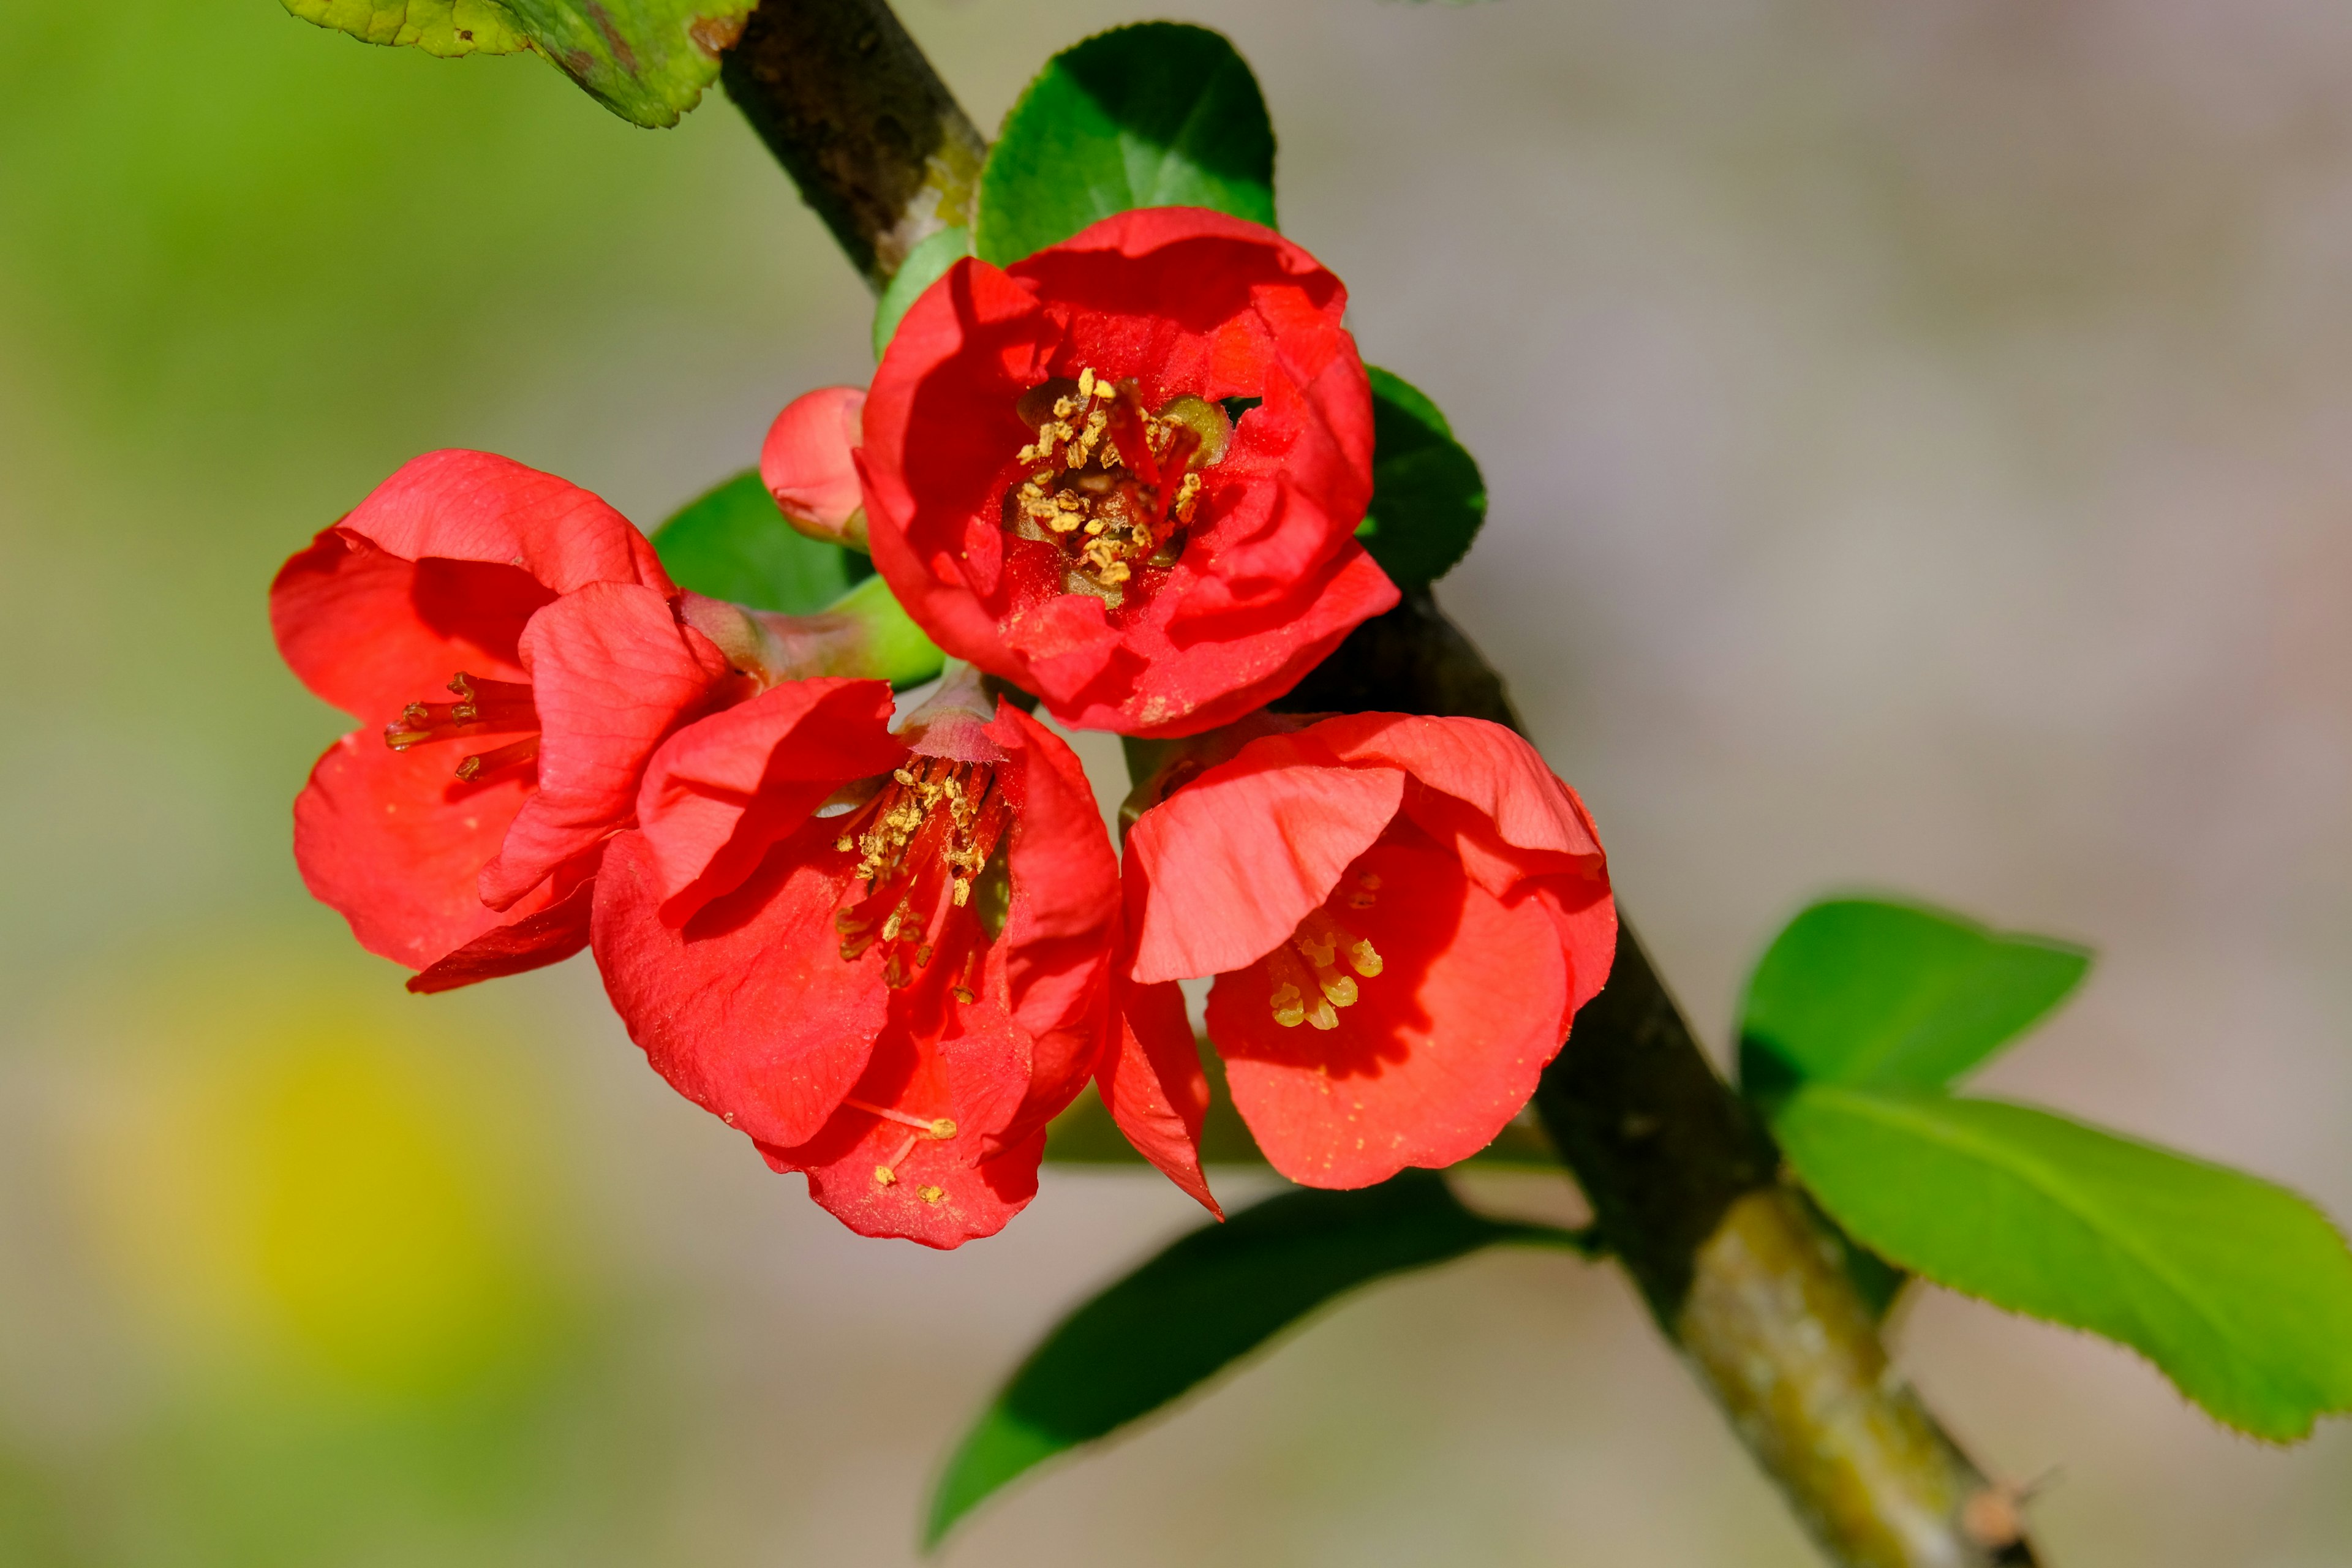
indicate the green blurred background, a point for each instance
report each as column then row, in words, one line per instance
column 1919, row 444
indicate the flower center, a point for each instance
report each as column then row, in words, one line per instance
column 931, row 875
column 483, row 708
column 1111, row 485
column 1307, row 984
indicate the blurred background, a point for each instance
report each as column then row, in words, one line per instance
column 1921, row 448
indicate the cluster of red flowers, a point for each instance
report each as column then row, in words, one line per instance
column 1123, row 475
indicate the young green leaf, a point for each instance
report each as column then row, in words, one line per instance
column 1428, row 497
column 646, row 60
column 1892, row 996
column 731, row 542
column 2240, row 1291
column 925, row 264
column 1208, row 1299
column 1155, row 115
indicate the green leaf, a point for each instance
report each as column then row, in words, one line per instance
column 1156, row 115
column 1428, row 497
column 449, row 29
column 1892, row 996
column 1208, row 1299
column 925, row 264
column 646, row 60
column 2238, row 1290
column 731, row 542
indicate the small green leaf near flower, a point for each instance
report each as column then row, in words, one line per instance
column 1155, row 115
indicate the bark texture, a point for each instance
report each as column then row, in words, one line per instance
column 856, row 114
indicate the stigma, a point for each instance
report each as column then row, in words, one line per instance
column 484, row 707
column 1110, row 483
column 927, row 864
column 1306, row 982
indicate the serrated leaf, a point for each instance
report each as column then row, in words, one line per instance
column 1428, row 497
column 925, row 264
column 1893, row 996
column 1206, row 1302
column 1155, row 115
column 2240, row 1291
column 731, row 542
column 646, row 60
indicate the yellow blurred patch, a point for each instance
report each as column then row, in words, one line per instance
column 300, row 1168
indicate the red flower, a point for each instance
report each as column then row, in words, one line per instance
column 513, row 652
column 1057, row 489
column 1403, row 914
column 883, row 956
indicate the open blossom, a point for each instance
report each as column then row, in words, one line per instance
column 1402, row 915
column 513, row 653
column 883, row 956
column 511, row 648
column 1125, row 472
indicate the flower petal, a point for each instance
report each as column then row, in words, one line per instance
column 371, row 631
column 723, row 791
column 546, row 928
column 395, row 841
column 748, row 1010
column 1495, row 794
column 475, row 506
column 1222, row 870
column 940, row 1192
column 1154, row 1087
column 612, row 672
column 1437, row 1053
column 1058, row 930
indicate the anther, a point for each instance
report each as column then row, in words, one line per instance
column 483, row 763
column 931, row 1195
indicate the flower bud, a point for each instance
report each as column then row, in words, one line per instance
column 807, row 466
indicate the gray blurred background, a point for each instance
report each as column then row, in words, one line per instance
column 1921, row 448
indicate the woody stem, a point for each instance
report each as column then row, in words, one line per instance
column 856, row 114
column 1684, row 1181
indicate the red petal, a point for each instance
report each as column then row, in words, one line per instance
column 612, row 672
column 1440, row 1050
column 974, row 1075
column 436, row 572
column 474, row 506
column 1498, row 794
column 370, row 632
column 544, row 929
column 748, row 1010
column 724, row 789
column 395, row 842
column 1152, row 1085
column 1057, row 935
column 1222, row 870
column 806, row 463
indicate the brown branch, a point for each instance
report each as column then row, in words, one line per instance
column 856, row 114
column 1684, row 1181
